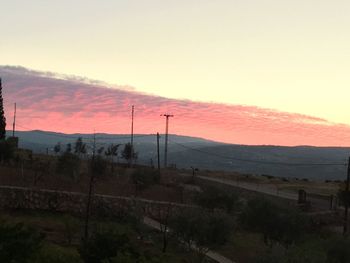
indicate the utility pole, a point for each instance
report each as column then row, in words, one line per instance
column 158, row 152
column 347, row 199
column 167, row 116
column 14, row 121
column 132, row 134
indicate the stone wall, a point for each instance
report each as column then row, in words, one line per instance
column 75, row 203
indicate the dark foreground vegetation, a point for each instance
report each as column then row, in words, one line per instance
column 196, row 217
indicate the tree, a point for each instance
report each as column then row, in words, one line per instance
column 277, row 224
column 2, row 116
column 112, row 151
column 79, row 147
column 202, row 231
column 100, row 150
column 57, row 148
column 164, row 215
column 128, row 153
column 213, row 198
column 69, row 148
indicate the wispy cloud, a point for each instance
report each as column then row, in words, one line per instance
column 69, row 104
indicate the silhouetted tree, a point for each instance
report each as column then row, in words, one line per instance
column 69, row 148
column 2, row 116
column 100, row 150
column 112, row 151
column 57, row 148
column 128, row 153
column 79, row 147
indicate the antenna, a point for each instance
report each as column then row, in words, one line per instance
column 14, row 121
column 132, row 134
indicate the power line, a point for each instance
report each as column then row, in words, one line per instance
column 258, row 161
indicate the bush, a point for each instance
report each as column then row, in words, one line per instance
column 144, row 178
column 68, row 164
column 98, row 165
column 277, row 224
column 18, row 243
column 214, row 198
column 338, row 251
column 57, row 254
column 205, row 230
column 7, row 149
column 103, row 246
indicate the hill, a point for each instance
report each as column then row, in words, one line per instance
column 186, row 151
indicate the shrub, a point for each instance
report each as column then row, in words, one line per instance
column 103, row 246
column 212, row 198
column 68, row 164
column 277, row 224
column 144, row 178
column 18, row 243
column 57, row 254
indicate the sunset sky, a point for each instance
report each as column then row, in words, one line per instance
column 274, row 59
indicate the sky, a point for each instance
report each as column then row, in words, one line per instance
column 282, row 56
column 67, row 104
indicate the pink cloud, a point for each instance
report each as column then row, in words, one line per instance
column 67, row 104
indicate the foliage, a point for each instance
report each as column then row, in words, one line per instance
column 344, row 196
column 201, row 230
column 7, row 149
column 98, row 165
column 339, row 251
column 40, row 168
column 103, row 246
column 213, row 198
column 18, row 243
column 57, row 254
column 79, row 147
column 70, row 227
column 57, row 148
column 68, row 164
column 112, row 151
column 68, row 148
column 277, row 224
column 129, row 153
column 100, row 150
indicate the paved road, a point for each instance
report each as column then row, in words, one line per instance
column 210, row 254
column 269, row 190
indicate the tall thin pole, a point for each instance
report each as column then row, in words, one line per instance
column 132, row 125
column 346, row 213
column 132, row 134
column 14, row 121
column 167, row 116
column 158, row 156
